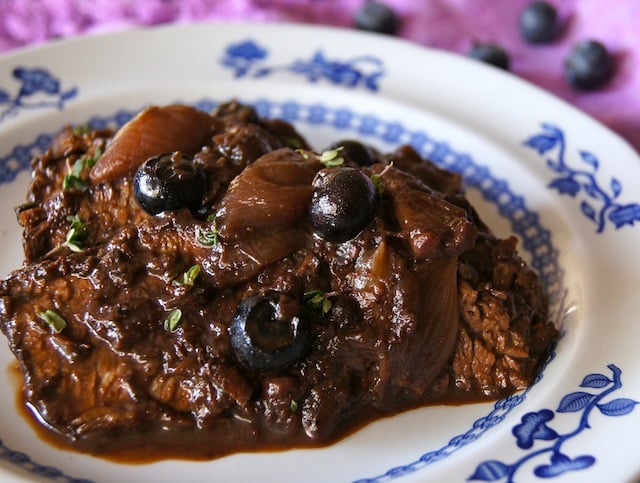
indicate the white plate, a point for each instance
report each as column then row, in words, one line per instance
column 569, row 188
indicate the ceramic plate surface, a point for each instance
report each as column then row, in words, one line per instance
column 534, row 166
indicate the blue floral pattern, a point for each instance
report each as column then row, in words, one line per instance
column 20, row 156
column 534, row 427
column 44, row 471
column 246, row 59
column 599, row 202
column 38, row 89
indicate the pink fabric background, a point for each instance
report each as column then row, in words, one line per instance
column 447, row 24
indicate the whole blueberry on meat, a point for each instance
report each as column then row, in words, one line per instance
column 357, row 152
column 589, row 65
column 377, row 17
column 539, row 22
column 342, row 203
column 270, row 332
column 169, row 182
column 491, row 54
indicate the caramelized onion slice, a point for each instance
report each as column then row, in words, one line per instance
column 273, row 191
column 153, row 131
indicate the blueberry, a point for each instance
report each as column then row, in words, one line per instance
column 589, row 65
column 357, row 152
column 270, row 332
column 491, row 54
column 377, row 17
column 169, row 182
column 342, row 203
column 539, row 22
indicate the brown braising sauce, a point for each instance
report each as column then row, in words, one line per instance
column 150, row 447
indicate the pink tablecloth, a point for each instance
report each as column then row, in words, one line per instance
column 447, row 24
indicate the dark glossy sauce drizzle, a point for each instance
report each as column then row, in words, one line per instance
column 196, row 445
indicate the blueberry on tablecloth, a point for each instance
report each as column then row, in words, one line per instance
column 377, row 17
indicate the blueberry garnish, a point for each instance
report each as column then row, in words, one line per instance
column 377, row 17
column 491, row 54
column 539, row 22
column 169, row 182
column 589, row 65
column 270, row 332
column 342, row 203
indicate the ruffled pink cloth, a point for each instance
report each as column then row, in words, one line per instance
column 446, row 24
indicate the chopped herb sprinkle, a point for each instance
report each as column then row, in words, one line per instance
column 318, row 300
column 376, row 179
column 331, row 157
column 189, row 277
column 208, row 236
column 173, row 320
column 294, row 405
column 80, row 130
column 54, row 319
column 73, row 180
column 76, row 235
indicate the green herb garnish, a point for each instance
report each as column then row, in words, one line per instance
column 318, row 300
column 76, row 235
column 90, row 161
column 189, row 277
column 294, row 405
column 208, row 236
column 80, row 130
column 54, row 319
column 331, row 157
column 173, row 320
column 376, row 179
column 73, row 180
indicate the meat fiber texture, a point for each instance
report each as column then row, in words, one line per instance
column 426, row 304
column 452, row 25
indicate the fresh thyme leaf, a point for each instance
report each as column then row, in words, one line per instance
column 54, row 319
column 70, row 244
column 173, row 320
column 189, row 277
column 77, row 167
column 76, row 235
column 326, row 305
column 77, row 223
column 331, row 157
column 294, row 405
column 92, row 160
column 79, row 130
column 318, row 300
column 376, row 179
column 73, row 180
column 208, row 236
